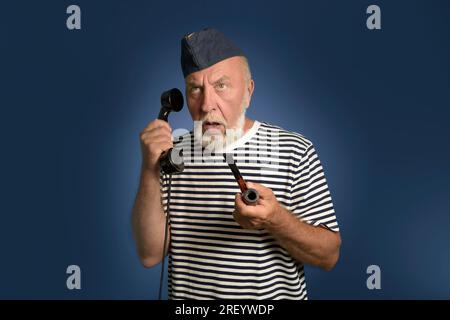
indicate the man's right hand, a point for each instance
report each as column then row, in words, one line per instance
column 155, row 139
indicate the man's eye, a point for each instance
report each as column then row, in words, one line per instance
column 195, row 89
column 221, row 86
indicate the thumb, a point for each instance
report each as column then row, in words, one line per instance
column 238, row 199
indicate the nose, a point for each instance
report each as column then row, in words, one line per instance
column 209, row 101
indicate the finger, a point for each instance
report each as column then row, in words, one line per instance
column 241, row 208
column 164, row 147
column 239, row 203
column 157, row 129
column 242, row 222
column 158, row 123
column 157, row 146
column 250, row 211
column 150, row 137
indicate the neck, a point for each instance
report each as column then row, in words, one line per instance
column 248, row 124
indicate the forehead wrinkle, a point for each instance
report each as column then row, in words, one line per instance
column 194, row 81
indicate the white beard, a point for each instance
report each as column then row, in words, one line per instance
column 216, row 142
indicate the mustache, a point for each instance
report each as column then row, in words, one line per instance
column 212, row 118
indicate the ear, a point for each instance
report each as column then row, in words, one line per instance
column 250, row 88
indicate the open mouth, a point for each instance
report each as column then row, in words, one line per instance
column 214, row 125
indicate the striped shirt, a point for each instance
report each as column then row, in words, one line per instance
column 211, row 256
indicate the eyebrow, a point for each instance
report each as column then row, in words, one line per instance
column 221, row 79
column 193, row 82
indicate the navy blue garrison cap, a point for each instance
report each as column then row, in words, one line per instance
column 200, row 50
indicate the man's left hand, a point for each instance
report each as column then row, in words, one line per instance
column 257, row 216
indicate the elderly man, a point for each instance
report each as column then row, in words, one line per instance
column 220, row 247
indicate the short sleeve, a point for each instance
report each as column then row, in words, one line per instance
column 310, row 197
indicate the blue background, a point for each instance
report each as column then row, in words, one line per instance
column 375, row 104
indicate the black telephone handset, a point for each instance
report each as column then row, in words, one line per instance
column 171, row 100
